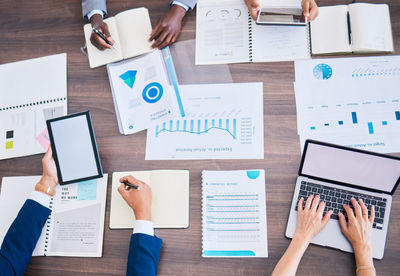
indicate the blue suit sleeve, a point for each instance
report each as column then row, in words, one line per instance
column 21, row 238
column 143, row 256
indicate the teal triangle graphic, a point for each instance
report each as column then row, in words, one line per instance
column 129, row 77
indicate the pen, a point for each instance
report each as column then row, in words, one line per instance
column 101, row 35
column 130, row 185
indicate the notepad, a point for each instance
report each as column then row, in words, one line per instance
column 75, row 226
column 170, row 192
column 31, row 91
column 234, row 219
column 130, row 30
column 358, row 27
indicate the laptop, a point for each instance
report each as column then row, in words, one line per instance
column 337, row 173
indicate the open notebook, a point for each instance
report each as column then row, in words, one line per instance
column 358, row 27
column 76, row 225
column 130, row 30
column 170, row 190
column 31, row 91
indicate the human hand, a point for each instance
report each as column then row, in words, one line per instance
column 98, row 23
column 310, row 9
column 358, row 229
column 49, row 177
column 138, row 200
column 168, row 28
column 309, row 220
column 254, row 7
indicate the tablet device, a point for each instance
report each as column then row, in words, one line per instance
column 281, row 16
column 74, row 148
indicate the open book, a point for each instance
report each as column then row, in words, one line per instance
column 130, row 30
column 75, row 226
column 352, row 28
column 170, row 191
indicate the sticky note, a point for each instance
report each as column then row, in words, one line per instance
column 9, row 144
column 10, row 134
column 87, row 190
column 43, row 139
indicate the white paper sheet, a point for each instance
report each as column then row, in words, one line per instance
column 223, row 121
column 234, row 219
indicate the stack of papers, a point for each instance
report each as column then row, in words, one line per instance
column 350, row 101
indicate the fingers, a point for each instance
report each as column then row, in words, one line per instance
column 131, row 179
column 300, row 205
column 357, row 208
column 161, row 39
column 106, row 32
column 254, row 12
column 313, row 12
column 342, row 222
column 156, row 31
column 315, row 203
column 363, row 209
column 99, row 43
column 326, row 218
column 372, row 216
column 321, row 208
column 349, row 212
column 48, row 155
column 308, row 202
column 166, row 41
column 306, row 8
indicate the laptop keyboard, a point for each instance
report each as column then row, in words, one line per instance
column 335, row 198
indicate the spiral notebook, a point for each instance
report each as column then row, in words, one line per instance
column 225, row 33
column 31, row 91
column 75, row 226
column 234, row 215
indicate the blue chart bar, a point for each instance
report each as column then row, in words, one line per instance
column 326, row 124
column 234, row 128
column 340, row 122
column 312, row 128
column 384, row 123
column 191, row 125
column 220, row 122
column 177, row 125
column 370, row 128
column 354, row 116
column 227, row 123
column 206, row 125
column 198, row 125
column 163, row 126
column 213, row 122
column 397, row 115
column 170, row 124
column 157, row 130
column 184, row 125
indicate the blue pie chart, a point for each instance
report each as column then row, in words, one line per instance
column 322, row 71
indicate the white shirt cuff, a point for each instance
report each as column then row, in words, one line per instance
column 186, row 7
column 93, row 12
column 41, row 198
column 144, row 227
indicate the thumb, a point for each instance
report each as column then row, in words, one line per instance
column 306, row 8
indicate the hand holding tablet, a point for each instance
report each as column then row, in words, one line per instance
column 74, row 148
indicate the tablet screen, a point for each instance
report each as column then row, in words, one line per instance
column 75, row 148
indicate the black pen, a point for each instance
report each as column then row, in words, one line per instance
column 130, row 185
column 101, row 35
column 349, row 27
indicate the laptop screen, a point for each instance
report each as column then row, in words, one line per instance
column 361, row 169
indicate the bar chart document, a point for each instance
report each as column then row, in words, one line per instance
column 234, row 216
column 223, row 121
column 362, row 113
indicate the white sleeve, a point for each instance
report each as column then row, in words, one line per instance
column 186, row 7
column 40, row 198
column 93, row 12
column 144, row 227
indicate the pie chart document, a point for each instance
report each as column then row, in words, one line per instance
column 223, row 121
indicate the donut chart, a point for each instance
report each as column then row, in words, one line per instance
column 322, row 71
column 152, row 93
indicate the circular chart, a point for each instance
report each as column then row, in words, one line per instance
column 152, row 93
column 322, row 71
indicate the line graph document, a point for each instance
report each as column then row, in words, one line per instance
column 223, row 121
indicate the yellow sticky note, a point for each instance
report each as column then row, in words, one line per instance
column 9, row 144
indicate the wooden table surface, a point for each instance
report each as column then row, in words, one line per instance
column 30, row 29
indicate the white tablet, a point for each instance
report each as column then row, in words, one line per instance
column 74, row 148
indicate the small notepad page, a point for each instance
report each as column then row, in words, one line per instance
column 234, row 218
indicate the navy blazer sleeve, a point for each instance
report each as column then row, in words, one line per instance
column 144, row 253
column 21, row 238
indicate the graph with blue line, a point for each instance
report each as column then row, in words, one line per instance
column 199, row 126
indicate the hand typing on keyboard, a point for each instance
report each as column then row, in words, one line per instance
column 358, row 231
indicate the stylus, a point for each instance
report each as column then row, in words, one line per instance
column 131, row 185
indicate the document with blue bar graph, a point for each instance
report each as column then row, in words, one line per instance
column 222, row 121
column 234, row 214
column 361, row 113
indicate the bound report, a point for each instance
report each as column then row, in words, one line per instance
column 75, row 226
column 130, row 30
column 170, row 191
column 234, row 215
column 354, row 28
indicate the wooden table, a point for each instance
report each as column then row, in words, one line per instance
column 31, row 29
